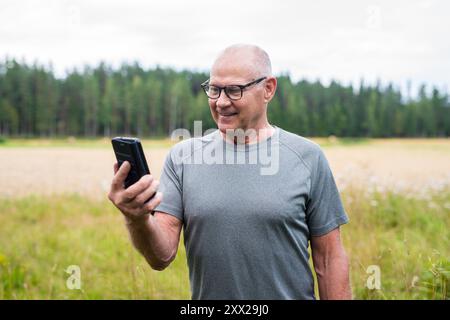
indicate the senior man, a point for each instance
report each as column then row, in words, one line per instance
column 246, row 232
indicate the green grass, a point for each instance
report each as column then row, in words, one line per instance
column 407, row 238
column 73, row 142
column 40, row 237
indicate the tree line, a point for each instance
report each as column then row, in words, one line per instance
column 130, row 100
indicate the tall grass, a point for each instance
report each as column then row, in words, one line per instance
column 41, row 237
column 73, row 142
column 407, row 237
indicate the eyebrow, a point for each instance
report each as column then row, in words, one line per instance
column 235, row 83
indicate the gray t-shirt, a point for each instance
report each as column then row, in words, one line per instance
column 249, row 212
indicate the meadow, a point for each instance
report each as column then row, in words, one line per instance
column 54, row 214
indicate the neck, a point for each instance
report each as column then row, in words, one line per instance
column 248, row 136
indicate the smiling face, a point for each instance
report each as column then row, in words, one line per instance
column 240, row 66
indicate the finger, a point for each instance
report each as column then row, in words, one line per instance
column 133, row 213
column 120, row 176
column 147, row 193
column 152, row 204
column 116, row 167
column 143, row 183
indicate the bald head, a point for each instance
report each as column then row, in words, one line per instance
column 249, row 59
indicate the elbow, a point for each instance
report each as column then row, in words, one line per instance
column 158, row 267
column 161, row 264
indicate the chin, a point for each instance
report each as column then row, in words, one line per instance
column 226, row 126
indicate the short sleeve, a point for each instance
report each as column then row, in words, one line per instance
column 171, row 188
column 324, row 209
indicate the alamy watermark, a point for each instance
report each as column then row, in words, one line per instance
column 73, row 282
column 265, row 153
column 374, row 280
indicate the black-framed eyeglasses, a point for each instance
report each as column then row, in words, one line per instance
column 234, row 92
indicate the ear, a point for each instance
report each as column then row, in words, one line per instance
column 270, row 87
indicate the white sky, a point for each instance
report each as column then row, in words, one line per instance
column 344, row 40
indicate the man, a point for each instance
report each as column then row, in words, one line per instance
column 246, row 233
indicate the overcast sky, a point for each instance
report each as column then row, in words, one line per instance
column 344, row 40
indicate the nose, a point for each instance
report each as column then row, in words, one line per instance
column 223, row 101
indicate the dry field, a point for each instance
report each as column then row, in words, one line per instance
column 411, row 165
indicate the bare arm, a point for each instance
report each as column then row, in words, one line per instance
column 331, row 266
column 156, row 236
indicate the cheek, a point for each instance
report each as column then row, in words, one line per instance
column 241, row 109
column 245, row 108
column 259, row 99
column 212, row 108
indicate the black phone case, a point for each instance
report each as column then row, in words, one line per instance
column 130, row 149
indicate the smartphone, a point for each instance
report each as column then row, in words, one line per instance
column 130, row 149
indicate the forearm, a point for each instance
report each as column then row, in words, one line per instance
column 152, row 242
column 333, row 277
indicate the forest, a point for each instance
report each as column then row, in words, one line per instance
column 130, row 100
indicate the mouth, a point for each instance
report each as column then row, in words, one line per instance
column 229, row 114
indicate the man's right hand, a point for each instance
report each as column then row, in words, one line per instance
column 131, row 201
